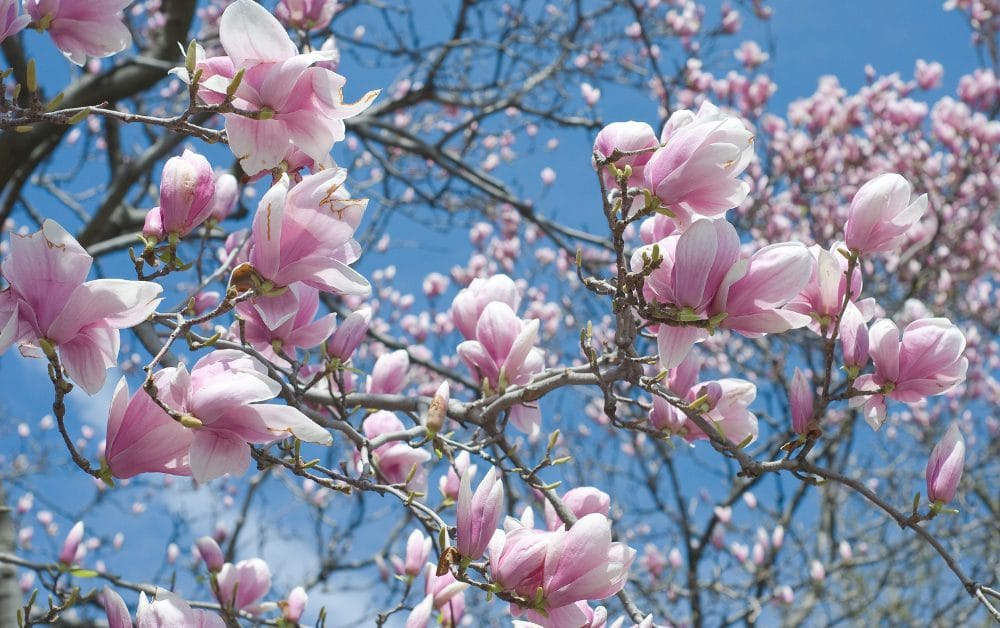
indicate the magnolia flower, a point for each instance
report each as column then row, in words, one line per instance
column 242, row 584
column 71, row 545
column 626, row 137
column 284, row 322
column 881, row 213
column 210, row 553
column 470, row 302
column 10, row 22
column 396, row 460
column 477, row 515
column 389, row 373
column 450, row 483
column 187, row 197
column 166, row 609
column 349, row 334
column 49, row 303
column 227, row 194
column 418, row 548
column 296, row 106
column 306, row 234
column 581, row 501
column 926, row 361
column 695, row 171
column 293, row 608
column 448, row 594
column 219, row 416
column 82, row 27
column 801, row 400
column 944, row 468
column 306, row 14
column 823, row 296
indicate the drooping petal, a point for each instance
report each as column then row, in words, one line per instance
column 214, row 454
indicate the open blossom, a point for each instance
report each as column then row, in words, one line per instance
column 823, row 295
column 187, row 197
column 944, row 468
column 448, row 594
column 306, row 234
column 297, row 106
column 82, row 28
column 217, row 401
column 284, row 322
column 243, row 584
column 696, row 170
column 49, row 301
column 881, row 213
column 10, row 22
column 704, row 277
column 504, row 354
column 477, row 515
column 166, row 609
column 570, row 566
column 926, row 361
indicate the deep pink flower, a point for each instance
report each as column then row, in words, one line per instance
column 477, row 515
column 83, row 27
column 219, row 394
column 944, row 467
column 626, row 137
column 300, row 106
column 242, row 584
column 349, row 334
column 881, row 213
column 307, row 234
column 696, row 170
column 49, row 299
column 284, row 322
column 926, row 361
column 187, row 196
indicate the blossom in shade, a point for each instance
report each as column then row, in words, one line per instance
column 396, row 460
column 696, row 170
column 854, row 338
column 217, row 403
column 478, row 514
column 927, row 360
column 306, row 234
column 210, row 553
column 82, row 28
column 881, row 213
column 450, row 483
column 295, row 104
column 823, row 295
column 243, row 584
column 49, row 302
column 284, row 322
column 10, row 22
column 944, row 468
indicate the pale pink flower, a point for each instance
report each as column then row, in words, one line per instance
column 219, row 394
column 926, row 361
column 210, row 553
column 49, row 299
column 299, row 106
column 944, row 467
column 418, row 548
column 823, row 296
column 169, row 609
column 477, row 515
column 306, row 15
column 82, row 28
column 581, row 501
column 115, row 609
column 396, row 460
column 307, row 234
column 800, row 398
column 448, row 593
column 881, row 213
column 450, row 483
column 696, row 170
column 10, row 22
column 421, row 613
column 389, row 373
column 590, row 94
column 295, row 605
column 227, row 194
column 626, row 137
column 854, row 338
column 243, row 584
column 187, row 196
column 548, row 176
column 928, row 75
column 71, row 545
column 284, row 322
column 470, row 302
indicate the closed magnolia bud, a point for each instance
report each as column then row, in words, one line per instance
column 944, row 468
column 801, row 398
column 881, row 213
column 210, row 553
column 67, row 555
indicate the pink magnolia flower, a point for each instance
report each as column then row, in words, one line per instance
column 349, row 334
column 284, row 322
column 187, row 197
column 418, row 548
column 210, row 553
column 823, row 295
column 504, row 354
column 10, row 22
column 396, row 460
column 389, row 373
column 801, row 400
column 854, row 339
column 928, row 75
column 470, row 302
column 295, row 605
column 307, row 234
column 298, row 106
column 926, row 361
column 581, row 501
column 881, row 213
column 448, row 594
column 944, row 467
column 696, row 170
column 243, row 584
column 420, row 616
column 306, row 14
column 450, row 483
column 227, row 194
column 49, row 300
column 81, row 28
column 477, row 515
column 166, row 609
column 626, row 137
column 218, row 399
column 71, row 545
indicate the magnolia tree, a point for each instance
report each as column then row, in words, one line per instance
column 751, row 378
